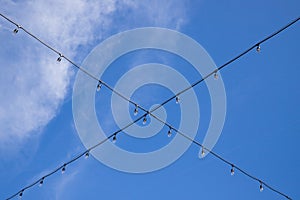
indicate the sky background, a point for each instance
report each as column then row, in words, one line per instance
column 262, row 126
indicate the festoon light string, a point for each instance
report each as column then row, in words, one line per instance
column 144, row 116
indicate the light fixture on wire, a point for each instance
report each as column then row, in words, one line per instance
column 59, row 58
column 170, row 132
column 177, row 99
column 232, row 170
column 21, row 194
column 87, row 154
column 202, row 151
column 114, row 139
column 216, row 76
column 136, row 110
column 63, row 169
column 41, row 182
column 16, row 30
column 261, row 187
column 99, row 86
column 145, row 120
column 258, row 47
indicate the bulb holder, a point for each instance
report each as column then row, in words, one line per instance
column 63, row 169
column 99, row 86
column 232, row 171
column 135, row 112
column 177, row 100
column 261, row 188
column 170, row 133
column 258, row 48
column 87, row 154
column 145, row 120
column 114, row 140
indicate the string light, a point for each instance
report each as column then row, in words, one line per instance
column 16, row 30
column 99, row 86
column 170, row 132
column 258, row 48
column 41, row 182
column 220, row 158
column 202, row 151
column 261, row 187
column 193, row 85
column 216, row 76
column 232, row 170
column 114, row 140
column 145, row 120
column 87, row 154
column 177, row 100
column 59, row 58
column 135, row 112
column 63, row 169
column 21, row 194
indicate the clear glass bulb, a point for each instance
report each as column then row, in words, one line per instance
column 216, row 76
column 261, row 188
column 87, row 154
column 170, row 132
column 258, row 48
column 135, row 112
column 16, row 30
column 114, row 140
column 145, row 120
column 63, row 170
column 232, row 171
column 177, row 100
column 99, row 86
column 202, row 152
column 41, row 182
column 20, row 195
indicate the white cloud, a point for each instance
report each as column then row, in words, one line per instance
column 32, row 84
column 62, row 185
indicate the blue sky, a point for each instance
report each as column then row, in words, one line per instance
column 261, row 131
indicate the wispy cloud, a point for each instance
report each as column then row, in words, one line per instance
column 32, row 84
column 60, row 186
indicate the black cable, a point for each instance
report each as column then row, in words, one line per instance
column 148, row 112
column 220, row 158
column 227, row 63
column 69, row 60
column 76, row 158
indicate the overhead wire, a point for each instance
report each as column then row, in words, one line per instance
column 62, row 56
column 234, row 166
column 257, row 45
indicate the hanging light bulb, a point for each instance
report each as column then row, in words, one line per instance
column 202, row 151
column 114, row 140
column 261, row 188
column 258, row 48
column 99, row 86
column 145, row 120
column 170, row 132
column 232, row 170
column 21, row 194
column 41, row 182
column 135, row 112
column 216, row 76
column 63, row 169
column 87, row 154
column 177, row 100
column 16, row 30
column 59, row 58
